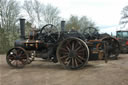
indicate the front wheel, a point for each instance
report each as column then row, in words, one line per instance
column 17, row 57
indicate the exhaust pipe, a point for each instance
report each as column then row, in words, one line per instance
column 62, row 25
column 22, row 28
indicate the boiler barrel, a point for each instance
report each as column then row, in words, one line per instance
column 30, row 44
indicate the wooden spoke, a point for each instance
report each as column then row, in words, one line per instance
column 76, row 62
column 73, row 63
column 76, row 45
column 80, row 61
column 13, row 62
column 81, row 50
column 67, row 59
column 77, row 48
column 80, row 53
column 68, row 44
column 63, row 49
column 67, row 63
column 68, row 48
column 81, row 57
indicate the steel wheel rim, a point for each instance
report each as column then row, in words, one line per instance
column 73, row 53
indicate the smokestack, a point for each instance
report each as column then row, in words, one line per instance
column 62, row 25
column 22, row 28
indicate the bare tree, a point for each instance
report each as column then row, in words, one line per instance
column 9, row 12
column 73, row 23
column 87, row 25
column 38, row 8
column 82, row 24
column 29, row 9
column 40, row 14
column 51, row 14
column 124, row 18
column 34, row 10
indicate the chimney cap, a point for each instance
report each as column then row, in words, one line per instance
column 22, row 18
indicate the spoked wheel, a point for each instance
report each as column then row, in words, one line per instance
column 73, row 53
column 113, row 47
column 17, row 57
column 50, row 33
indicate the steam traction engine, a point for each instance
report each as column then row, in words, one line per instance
column 71, row 49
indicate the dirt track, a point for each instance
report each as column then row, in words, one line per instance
column 47, row 73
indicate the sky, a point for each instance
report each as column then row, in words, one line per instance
column 105, row 13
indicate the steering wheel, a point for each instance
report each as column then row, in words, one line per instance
column 49, row 33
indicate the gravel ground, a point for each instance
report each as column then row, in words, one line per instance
column 41, row 72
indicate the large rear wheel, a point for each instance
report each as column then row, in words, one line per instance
column 73, row 53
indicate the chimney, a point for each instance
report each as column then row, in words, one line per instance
column 22, row 28
column 62, row 25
